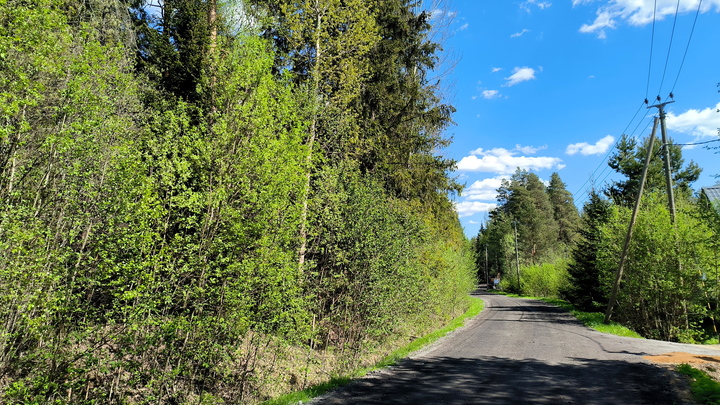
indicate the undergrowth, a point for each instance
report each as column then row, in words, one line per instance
column 476, row 305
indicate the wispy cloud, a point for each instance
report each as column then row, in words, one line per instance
column 586, row 149
column 503, row 161
column 638, row 12
column 490, row 94
column 520, row 74
column 496, row 69
column 442, row 13
column 528, row 4
column 700, row 123
column 519, row 34
column 463, row 27
column 529, row 150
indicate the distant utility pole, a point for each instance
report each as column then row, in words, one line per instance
column 517, row 256
column 633, row 218
column 666, row 158
column 487, row 276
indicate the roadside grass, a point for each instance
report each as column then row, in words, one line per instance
column 475, row 307
column 705, row 390
column 593, row 320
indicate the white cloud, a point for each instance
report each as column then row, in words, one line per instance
column 638, row 12
column 519, row 34
column 700, row 123
column 463, row 27
column 542, row 5
column 520, row 74
column 490, row 94
column 468, row 208
column 496, row 69
column 485, row 189
column 503, row 161
column 586, row 149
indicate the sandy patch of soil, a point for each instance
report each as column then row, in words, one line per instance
column 708, row 364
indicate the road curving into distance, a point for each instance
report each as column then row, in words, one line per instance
column 520, row 351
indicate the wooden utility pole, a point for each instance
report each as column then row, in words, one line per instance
column 517, row 256
column 633, row 218
column 666, row 158
column 487, row 276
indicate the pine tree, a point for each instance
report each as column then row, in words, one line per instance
column 564, row 209
column 524, row 198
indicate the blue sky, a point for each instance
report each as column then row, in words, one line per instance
column 550, row 85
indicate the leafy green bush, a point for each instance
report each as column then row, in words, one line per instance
column 543, row 280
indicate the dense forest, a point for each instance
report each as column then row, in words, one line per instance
column 218, row 202
column 537, row 243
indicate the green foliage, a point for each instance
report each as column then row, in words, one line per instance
column 583, row 289
column 564, row 210
column 629, row 161
column 596, row 320
column 154, row 170
column 705, row 390
column 476, row 305
column 662, row 290
column 544, row 280
column 524, row 198
column 545, row 220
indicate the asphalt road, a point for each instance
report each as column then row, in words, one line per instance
column 521, row 351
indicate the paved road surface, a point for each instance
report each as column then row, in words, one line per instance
column 524, row 352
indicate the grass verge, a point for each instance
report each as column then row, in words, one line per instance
column 593, row 320
column 705, row 390
column 476, row 305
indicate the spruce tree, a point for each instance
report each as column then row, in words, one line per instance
column 629, row 161
column 584, row 289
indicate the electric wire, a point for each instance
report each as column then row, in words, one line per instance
column 609, row 172
column 694, row 143
column 692, row 30
column 672, row 35
column 581, row 194
column 582, row 188
column 652, row 41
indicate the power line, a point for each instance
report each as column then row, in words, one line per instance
column 672, row 35
column 652, row 41
column 687, row 47
column 580, row 195
column 582, row 189
column 693, row 144
column 583, row 197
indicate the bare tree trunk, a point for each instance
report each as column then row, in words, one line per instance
column 311, row 140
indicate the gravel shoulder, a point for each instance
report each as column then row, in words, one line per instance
column 520, row 351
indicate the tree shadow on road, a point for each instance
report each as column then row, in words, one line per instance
column 497, row 380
